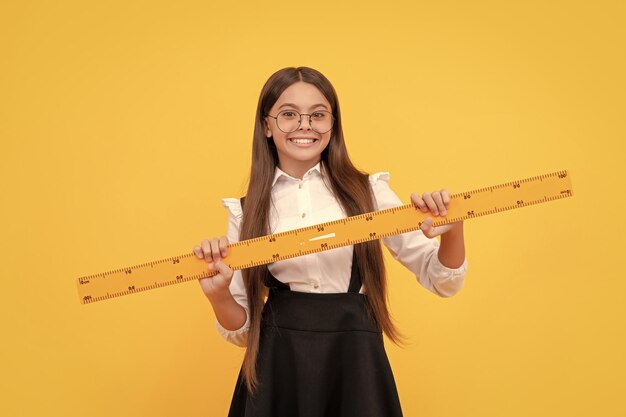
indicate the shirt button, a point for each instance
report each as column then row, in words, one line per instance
column 303, row 215
column 316, row 285
column 300, row 185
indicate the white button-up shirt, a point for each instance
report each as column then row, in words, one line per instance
column 298, row 203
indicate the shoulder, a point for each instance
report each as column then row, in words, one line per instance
column 233, row 205
column 379, row 177
column 384, row 196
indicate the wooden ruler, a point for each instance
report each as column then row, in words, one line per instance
column 321, row 237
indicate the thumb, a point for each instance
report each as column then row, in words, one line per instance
column 431, row 231
column 224, row 270
column 427, row 228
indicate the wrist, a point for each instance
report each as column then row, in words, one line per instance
column 456, row 229
column 219, row 296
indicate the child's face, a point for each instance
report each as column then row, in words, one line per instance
column 300, row 150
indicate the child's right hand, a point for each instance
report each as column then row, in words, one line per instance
column 213, row 251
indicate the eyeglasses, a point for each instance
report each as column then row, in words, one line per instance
column 289, row 120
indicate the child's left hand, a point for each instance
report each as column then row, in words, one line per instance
column 437, row 202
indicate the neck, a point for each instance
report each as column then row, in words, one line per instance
column 297, row 170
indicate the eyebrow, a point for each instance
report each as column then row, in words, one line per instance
column 293, row 105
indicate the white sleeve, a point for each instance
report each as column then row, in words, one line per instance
column 414, row 250
column 237, row 289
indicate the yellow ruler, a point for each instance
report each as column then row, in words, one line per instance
column 321, row 237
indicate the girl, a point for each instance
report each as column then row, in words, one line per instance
column 315, row 347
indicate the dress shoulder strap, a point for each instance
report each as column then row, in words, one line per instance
column 355, row 276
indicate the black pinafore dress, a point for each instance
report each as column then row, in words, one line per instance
column 320, row 355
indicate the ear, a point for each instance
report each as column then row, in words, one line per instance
column 268, row 132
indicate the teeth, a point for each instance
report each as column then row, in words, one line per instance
column 303, row 141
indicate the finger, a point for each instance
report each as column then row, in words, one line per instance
column 443, row 229
column 198, row 251
column 215, row 249
column 224, row 270
column 439, row 202
column 418, row 202
column 445, row 196
column 223, row 244
column 206, row 249
column 432, row 206
column 427, row 228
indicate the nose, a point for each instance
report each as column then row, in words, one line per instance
column 303, row 118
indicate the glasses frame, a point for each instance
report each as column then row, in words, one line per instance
column 332, row 120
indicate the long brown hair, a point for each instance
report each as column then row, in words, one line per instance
column 349, row 185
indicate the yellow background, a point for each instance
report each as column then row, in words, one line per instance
column 123, row 124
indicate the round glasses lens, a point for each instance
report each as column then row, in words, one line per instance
column 321, row 121
column 288, row 121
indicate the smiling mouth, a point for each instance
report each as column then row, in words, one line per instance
column 303, row 141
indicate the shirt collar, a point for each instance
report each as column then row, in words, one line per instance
column 278, row 173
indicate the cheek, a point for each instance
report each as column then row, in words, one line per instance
column 279, row 140
column 279, row 136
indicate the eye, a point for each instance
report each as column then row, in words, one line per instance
column 318, row 115
column 288, row 114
